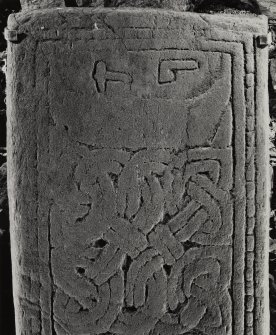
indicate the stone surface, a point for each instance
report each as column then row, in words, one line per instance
column 90, row 3
column 36, row 4
column 268, row 7
column 138, row 173
column 254, row 6
column 192, row 5
column 179, row 5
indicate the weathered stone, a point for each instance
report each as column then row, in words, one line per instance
column 180, row 5
column 268, row 7
column 234, row 6
column 191, row 5
column 138, row 187
column 36, row 4
column 90, row 3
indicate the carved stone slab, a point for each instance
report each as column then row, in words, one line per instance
column 138, row 173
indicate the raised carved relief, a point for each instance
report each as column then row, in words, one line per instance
column 146, row 157
column 149, row 246
column 156, row 236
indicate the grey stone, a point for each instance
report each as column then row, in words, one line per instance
column 268, row 7
column 90, row 3
column 138, row 172
column 36, row 4
column 179, row 5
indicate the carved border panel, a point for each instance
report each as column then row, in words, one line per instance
column 161, row 223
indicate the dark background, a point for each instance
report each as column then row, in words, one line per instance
column 9, row 6
column 6, row 301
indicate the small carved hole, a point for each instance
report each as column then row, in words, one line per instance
column 100, row 243
column 130, row 309
column 167, row 269
column 80, row 270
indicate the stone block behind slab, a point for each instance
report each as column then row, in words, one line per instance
column 36, row 4
column 138, row 172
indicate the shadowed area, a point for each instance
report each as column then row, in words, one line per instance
column 221, row 5
column 6, row 299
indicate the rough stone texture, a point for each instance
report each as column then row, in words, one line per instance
column 190, row 5
column 179, row 5
column 90, row 3
column 138, row 173
column 268, row 7
column 36, row 4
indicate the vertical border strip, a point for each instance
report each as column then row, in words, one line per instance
column 261, row 318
